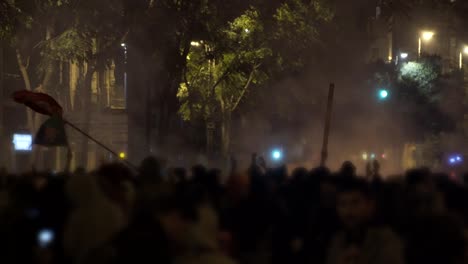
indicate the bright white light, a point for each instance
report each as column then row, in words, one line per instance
column 195, row 43
column 404, row 55
column 457, row 159
column 427, row 35
column 465, row 50
column 22, row 142
column 246, row 30
column 123, row 44
column 276, row 154
column 45, row 237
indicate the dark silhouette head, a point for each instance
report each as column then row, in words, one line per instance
column 151, row 170
column 348, row 169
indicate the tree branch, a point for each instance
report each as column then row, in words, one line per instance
column 246, row 86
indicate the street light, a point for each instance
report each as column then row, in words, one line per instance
column 426, row 36
column 195, row 44
column 404, row 55
column 460, row 60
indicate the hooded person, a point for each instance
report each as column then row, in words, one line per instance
column 95, row 219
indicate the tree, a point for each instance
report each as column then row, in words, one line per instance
column 421, row 95
column 26, row 26
column 245, row 53
column 93, row 38
column 220, row 73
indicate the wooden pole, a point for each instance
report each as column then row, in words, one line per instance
column 326, row 130
column 100, row 144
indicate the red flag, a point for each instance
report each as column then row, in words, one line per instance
column 39, row 102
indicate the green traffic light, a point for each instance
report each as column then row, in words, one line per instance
column 383, row 94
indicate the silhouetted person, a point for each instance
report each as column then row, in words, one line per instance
column 435, row 239
column 359, row 241
column 348, row 169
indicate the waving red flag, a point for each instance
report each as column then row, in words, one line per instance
column 39, row 102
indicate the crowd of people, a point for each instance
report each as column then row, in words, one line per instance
column 262, row 215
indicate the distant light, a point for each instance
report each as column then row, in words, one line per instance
column 383, row 94
column 372, row 156
column 465, row 50
column 45, row 237
column 404, row 55
column 455, row 159
column 246, row 30
column 276, row 154
column 427, row 35
column 122, row 155
column 22, row 142
column 364, row 156
column 123, row 44
column 384, row 156
column 195, row 43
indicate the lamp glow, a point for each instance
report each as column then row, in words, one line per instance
column 404, row 55
column 364, row 156
column 427, row 35
column 195, row 43
column 45, row 237
column 276, row 154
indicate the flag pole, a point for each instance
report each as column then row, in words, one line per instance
column 326, row 130
column 100, row 144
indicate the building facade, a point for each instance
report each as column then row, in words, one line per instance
column 107, row 115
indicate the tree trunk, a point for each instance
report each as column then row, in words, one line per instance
column 102, row 91
column 27, row 85
column 65, row 83
column 226, row 130
column 86, row 111
column 50, row 63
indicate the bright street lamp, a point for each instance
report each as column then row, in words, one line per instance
column 426, row 36
column 195, row 44
column 404, row 55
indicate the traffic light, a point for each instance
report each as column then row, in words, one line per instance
column 383, row 94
